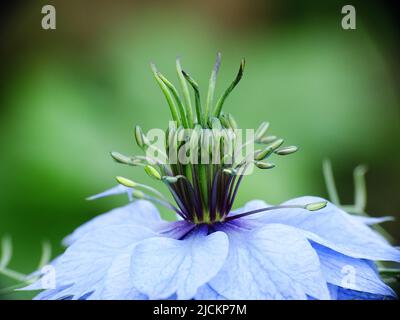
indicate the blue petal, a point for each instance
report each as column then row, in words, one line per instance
column 119, row 189
column 334, row 228
column 272, row 262
column 48, row 294
column 350, row 273
column 206, row 292
column 97, row 263
column 175, row 229
column 117, row 286
column 140, row 212
column 249, row 206
column 161, row 267
column 371, row 220
column 338, row 293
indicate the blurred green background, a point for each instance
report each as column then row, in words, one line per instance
column 70, row 96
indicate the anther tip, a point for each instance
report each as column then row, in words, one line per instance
column 125, row 182
column 316, row 206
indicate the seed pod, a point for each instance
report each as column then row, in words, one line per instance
column 264, row 165
column 316, row 206
column 126, row 182
column 262, row 129
column 286, row 150
column 152, row 172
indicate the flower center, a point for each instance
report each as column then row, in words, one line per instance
column 203, row 157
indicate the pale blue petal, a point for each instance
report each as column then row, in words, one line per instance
column 350, row 273
column 161, row 267
column 338, row 293
column 334, row 228
column 119, row 189
column 371, row 220
column 116, row 286
column 272, row 262
column 175, row 229
column 206, row 292
column 140, row 212
column 50, row 293
column 249, row 206
column 36, row 276
column 97, row 260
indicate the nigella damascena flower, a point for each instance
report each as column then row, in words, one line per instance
column 305, row 248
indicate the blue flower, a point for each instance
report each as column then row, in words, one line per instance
column 305, row 248
column 131, row 253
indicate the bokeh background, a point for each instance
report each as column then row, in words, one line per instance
column 70, row 96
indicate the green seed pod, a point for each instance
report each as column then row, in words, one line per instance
column 316, row 206
column 286, row 150
column 262, row 129
column 126, row 182
column 264, row 165
column 152, row 172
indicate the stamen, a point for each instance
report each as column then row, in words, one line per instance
column 152, row 172
column 310, row 207
column 140, row 138
column 194, row 197
column 267, row 139
column 262, row 129
column 286, row 150
column 265, row 153
column 141, row 195
column 120, row 158
column 264, row 165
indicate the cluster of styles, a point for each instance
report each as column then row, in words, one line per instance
column 204, row 188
